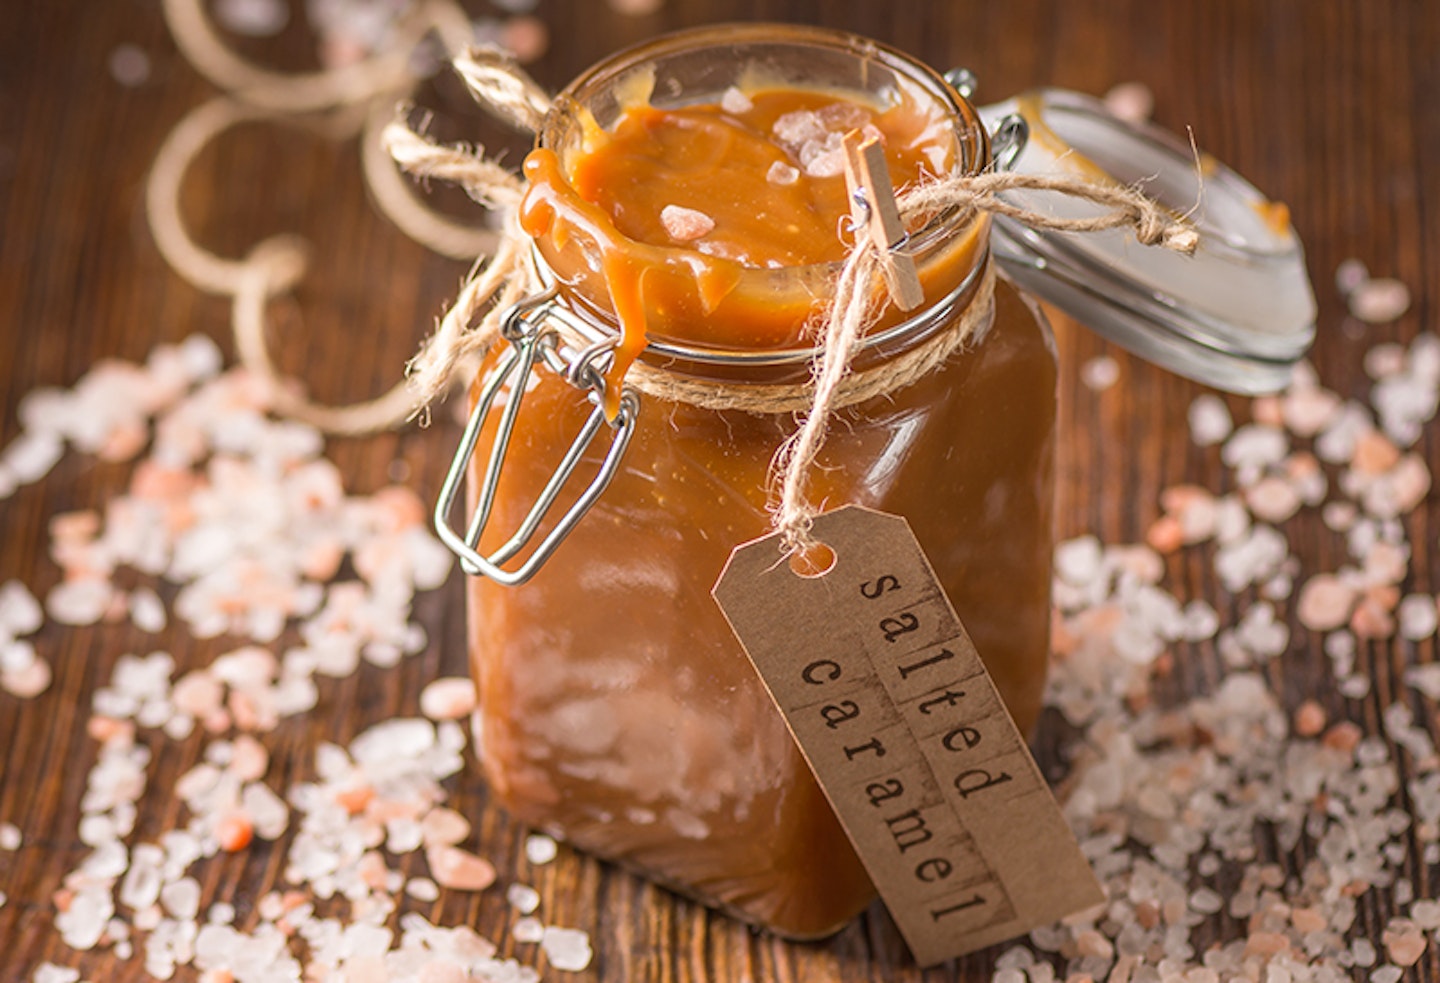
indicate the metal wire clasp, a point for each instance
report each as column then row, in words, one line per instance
column 531, row 340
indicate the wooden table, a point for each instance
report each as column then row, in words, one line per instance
column 1328, row 106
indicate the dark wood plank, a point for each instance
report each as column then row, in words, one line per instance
column 1326, row 105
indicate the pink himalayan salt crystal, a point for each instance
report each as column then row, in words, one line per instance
column 1379, row 300
column 1132, row 102
column 444, row 827
column 527, row 38
column 253, row 18
column 1418, row 617
column 27, row 680
column 1325, row 602
column 1405, row 947
column 1408, row 483
column 1272, row 499
column 248, row 759
column 732, row 100
column 1210, row 420
column 568, row 949
column 1374, row 453
column 1309, row 720
column 459, row 869
column 1306, row 412
column 685, row 224
column 782, row 174
column 1350, row 274
column 1165, row 535
column 1386, row 563
column 1372, row 618
column 1268, row 410
column 450, row 698
column 540, row 849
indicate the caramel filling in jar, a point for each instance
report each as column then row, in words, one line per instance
column 681, row 198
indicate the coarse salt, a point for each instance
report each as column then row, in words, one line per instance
column 459, row 869
column 527, row 930
column 685, row 224
column 1376, row 301
column 568, row 949
column 540, row 849
column 523, row 898
column 1210, row 420
column 782, row 174
column 732, row 100
column 451, row 698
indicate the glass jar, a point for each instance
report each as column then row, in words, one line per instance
column 617, row 710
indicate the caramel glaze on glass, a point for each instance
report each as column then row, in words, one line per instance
column 617, row 709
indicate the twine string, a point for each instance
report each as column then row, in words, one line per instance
column 340, row 102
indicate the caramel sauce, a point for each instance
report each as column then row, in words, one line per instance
column 764, row 169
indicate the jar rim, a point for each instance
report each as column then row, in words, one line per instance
column 972, row 140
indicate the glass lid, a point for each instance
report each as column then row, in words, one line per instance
column 1236, row 315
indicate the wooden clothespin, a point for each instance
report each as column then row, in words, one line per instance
column 874, row 213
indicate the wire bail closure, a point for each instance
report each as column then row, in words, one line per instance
column 532, row 340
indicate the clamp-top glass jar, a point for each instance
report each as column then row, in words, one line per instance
column 616, row 708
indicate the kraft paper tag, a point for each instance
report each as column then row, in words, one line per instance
column 906, row 734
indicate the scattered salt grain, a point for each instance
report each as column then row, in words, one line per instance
column 1310, row 719
column 1272, row 499
column 1210, row 421
column 1325, row 602
column 29, row 457
column 523, row 898
column 685, row 224
column 1425, row 678
column 51, row 973
column 1355, row 687
column 147, row 611
column 20, row 613
column 527, row 930
column 459, row 869
column 450, row 698
column 10, row 838
column 422, row 889
column 1349, row 275
column 1417, row 617
column 540, row 849
column 1100, row 373
column 27, row 681
column 1379, row 300
column 80, row 602
column 527, row 38
column 568, row 949
column 253, row 18
column 1132, row 102
column 129, row 65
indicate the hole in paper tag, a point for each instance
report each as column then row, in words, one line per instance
column 893, row 709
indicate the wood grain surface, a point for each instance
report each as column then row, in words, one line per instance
column 1329, row 106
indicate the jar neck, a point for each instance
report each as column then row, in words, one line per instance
column 718, row 319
